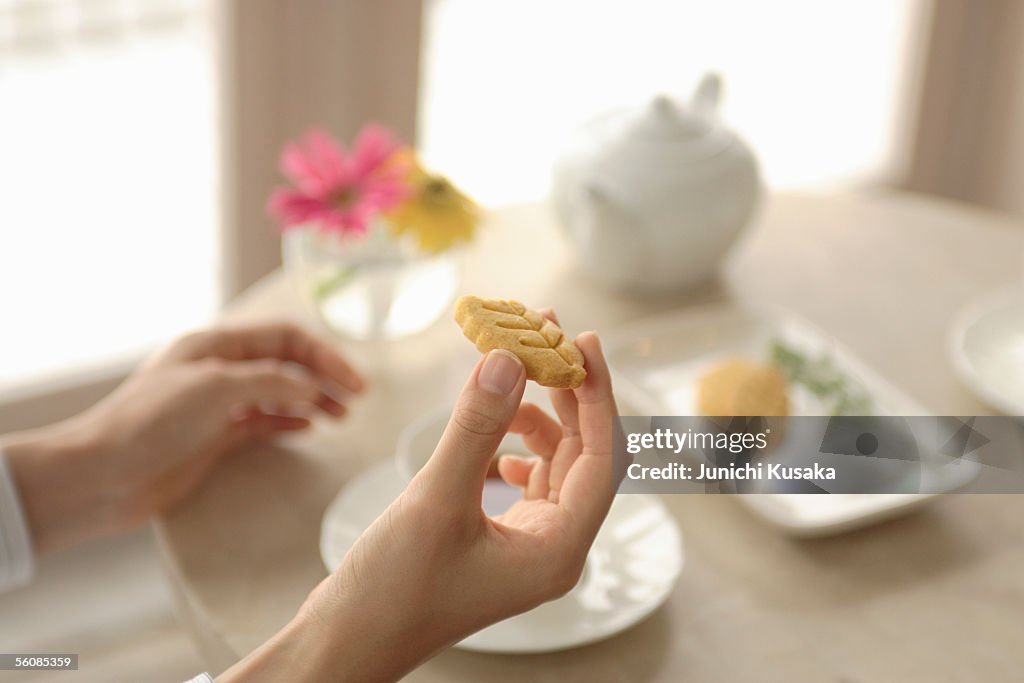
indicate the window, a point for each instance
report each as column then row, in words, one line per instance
column 107, row 171
column 812, row 85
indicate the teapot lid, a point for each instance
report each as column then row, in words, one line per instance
column 665, row 121
column 692, row 127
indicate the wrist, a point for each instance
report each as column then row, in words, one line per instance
column 52, row 469
column 331, row 639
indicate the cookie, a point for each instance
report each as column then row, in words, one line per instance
column 549, row 357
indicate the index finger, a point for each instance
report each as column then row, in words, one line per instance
column 563, row 400
column 590, row 484
column 283, row 341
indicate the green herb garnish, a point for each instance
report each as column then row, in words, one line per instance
column 821, row 377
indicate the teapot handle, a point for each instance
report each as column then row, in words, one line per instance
column 708, row 94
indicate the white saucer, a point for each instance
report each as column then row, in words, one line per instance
column 632, row 567
column 987, row 348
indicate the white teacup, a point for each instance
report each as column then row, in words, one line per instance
column 417, row 442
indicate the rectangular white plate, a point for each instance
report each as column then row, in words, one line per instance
column 657, row 362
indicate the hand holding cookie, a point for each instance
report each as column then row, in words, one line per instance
column 492, row 567
column 549, row 357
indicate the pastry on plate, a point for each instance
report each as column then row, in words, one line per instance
column 738, row 386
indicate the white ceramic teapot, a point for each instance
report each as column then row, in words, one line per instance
column 653, row 198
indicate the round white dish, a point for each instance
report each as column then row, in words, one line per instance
column 630, row 571
column 987, row 349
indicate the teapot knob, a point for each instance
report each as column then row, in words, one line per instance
column 664, row 107
column 708, row 94
column 667, row 120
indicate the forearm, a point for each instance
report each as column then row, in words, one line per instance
column 55, row 474
column 336, row 642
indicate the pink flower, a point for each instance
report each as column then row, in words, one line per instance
column 339, row 191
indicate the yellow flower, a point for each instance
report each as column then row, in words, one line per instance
column 436, row 214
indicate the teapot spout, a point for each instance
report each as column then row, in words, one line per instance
column 596, row 197
column 594, row 204
column 609, row 236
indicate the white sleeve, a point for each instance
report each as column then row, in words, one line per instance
column 16, row 561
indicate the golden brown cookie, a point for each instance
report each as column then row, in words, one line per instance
column 548, row 356
column 742, row 387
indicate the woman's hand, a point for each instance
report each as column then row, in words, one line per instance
column 434, row 568
column 146, row 446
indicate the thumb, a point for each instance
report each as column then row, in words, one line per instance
column 481, row 418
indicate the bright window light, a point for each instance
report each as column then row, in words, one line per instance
column 107, row 221
column 818, row 88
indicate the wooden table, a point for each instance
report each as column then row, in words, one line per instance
column 936, row 596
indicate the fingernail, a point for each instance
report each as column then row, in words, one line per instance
column 500, row 372
column 590, row 333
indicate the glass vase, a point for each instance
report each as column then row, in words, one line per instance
column 371, row 286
